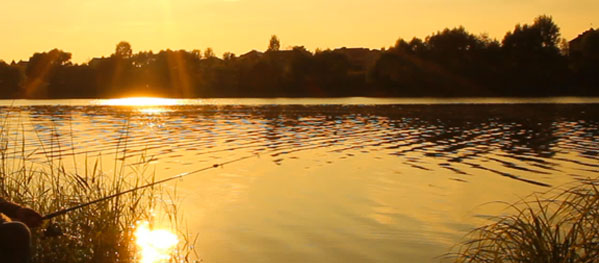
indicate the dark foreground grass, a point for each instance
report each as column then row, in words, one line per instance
column 561, row 226
column 101, row 233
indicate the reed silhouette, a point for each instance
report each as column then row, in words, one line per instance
column 558, row 226
column 102, row 233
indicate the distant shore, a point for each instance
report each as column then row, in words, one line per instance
column 532, row 60
column 300, row 101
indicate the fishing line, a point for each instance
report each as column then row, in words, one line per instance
column 216, row 165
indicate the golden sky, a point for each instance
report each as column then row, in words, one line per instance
column 89, row 28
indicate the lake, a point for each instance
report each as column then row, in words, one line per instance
column 327, row 180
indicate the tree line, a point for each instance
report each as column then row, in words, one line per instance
column 531, row 60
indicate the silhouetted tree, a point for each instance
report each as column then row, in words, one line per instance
column 448, row 63
column 548, row 30
column 10, row 80
column 197, row 53
column 274, row 44
column 542, row 36
column 40, row 69
column 228, row 56
column 123, row 50
column 330, row 72
column 72, row 81
column 534, row 64
column 209, row 53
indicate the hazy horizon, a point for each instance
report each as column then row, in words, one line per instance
column 92, row 29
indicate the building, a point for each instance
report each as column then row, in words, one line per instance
column 360, row 58
column 575, row 46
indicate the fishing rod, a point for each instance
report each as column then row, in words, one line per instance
column 216, row 165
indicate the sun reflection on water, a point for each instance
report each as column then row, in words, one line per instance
column 152, row 110
column 140, row 101
column 155, row 245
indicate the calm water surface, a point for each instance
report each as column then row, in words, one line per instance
column 360, row 180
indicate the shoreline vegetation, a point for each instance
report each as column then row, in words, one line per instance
column 532, row 60
column 100, row 233
column 557, row 226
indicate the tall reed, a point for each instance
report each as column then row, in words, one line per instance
column 560, row 226
column 102, row 233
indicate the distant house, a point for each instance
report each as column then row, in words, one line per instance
column 360, row 58
column 252, row 55
column 94, row 62
column 278, row 56
column 281, row 56
column 575, row 45
column 21, row 64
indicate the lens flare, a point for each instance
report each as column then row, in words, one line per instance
column 155, row 245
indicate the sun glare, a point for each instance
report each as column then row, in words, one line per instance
column 152, row 111
column 139, row 101
column 155, row 245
